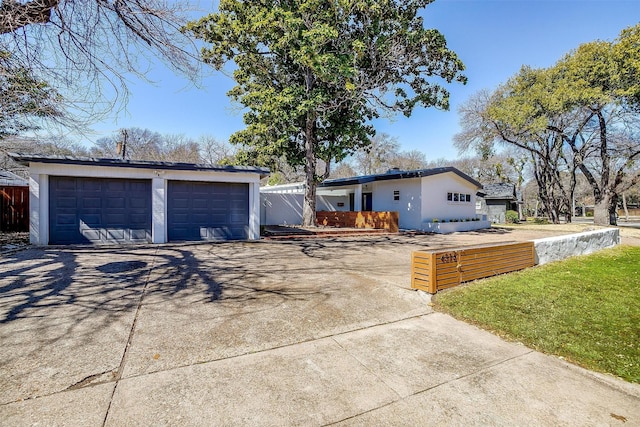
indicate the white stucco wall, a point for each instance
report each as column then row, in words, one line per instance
column 560, row 247
column 409, row 205
column 286, row 208
column 434, row 197
column 39, row 192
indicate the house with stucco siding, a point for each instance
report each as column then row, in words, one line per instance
column 437, row 199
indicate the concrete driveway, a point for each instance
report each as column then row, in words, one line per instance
column 307, row 332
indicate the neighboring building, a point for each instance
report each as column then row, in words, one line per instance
column 86, row 200
column 497, row 200
column 10, row 179
column 419, row 196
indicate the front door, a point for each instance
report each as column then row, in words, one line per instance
column 367, row 202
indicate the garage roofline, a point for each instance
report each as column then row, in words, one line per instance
column 26, row 159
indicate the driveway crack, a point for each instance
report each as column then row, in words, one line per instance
column 123, row 360
column 91, row 380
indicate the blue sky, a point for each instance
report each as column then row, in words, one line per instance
column 494, row 38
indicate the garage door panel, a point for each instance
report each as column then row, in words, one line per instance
column 116, row 234
column 210, row 213
column 239, row 219
column 137, row 219
column 117, row 185
column 115, row 219
column 91, row 202
column 138, row 235
column 139, row 204
column 90, row 234
column 93, row 220
column 200, row 203
column 91, row 185
column 180, row 203
column 116, row 202
column 200, row 218
column 99, row 210
column 65, row 184
column 65, row 219
column 67, row 202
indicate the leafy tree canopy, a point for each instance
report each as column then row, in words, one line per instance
column 580, row 115
column 25, row 101
column 314, row 73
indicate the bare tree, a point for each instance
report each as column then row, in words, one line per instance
column 57, row 145
column 144, row 144
column 376, row 157
column 343, row 170
column 214, row 152
column 85, row 48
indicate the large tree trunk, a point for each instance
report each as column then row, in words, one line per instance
column 309, row 203
column 604, row 212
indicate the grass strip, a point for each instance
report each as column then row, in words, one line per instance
column 585, row 309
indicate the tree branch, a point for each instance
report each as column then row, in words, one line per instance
column 14, row 15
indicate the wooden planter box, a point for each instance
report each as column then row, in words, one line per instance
column 439, row 269
column 348, row 219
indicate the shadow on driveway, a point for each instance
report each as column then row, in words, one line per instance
column 67, row 314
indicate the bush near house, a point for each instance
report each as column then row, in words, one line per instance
column 512, row 217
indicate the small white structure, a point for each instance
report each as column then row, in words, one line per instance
column 87, row 200
column 441, row 200
column 10, row 179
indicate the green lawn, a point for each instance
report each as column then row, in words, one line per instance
column 585, row 309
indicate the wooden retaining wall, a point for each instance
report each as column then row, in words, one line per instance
column 14, row 208
column 439, row 269
column 378, row 220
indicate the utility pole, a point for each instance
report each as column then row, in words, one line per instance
column 121, row 146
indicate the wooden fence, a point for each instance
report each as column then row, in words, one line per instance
column 632, row 212
column 435, row 270
column 378, row 220
column 14, row 208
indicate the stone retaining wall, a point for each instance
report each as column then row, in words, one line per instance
column 560, row 247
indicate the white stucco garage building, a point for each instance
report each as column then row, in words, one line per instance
column 87, row 200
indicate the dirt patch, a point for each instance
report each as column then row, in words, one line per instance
column 13, row 241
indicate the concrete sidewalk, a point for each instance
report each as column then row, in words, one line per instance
column 288, row 333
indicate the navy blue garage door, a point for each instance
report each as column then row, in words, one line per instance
column 207, row 211
column 99, row 210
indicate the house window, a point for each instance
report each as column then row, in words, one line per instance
column 396, row 195
column 459, row 197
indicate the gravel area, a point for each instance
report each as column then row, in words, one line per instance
column 13, row 241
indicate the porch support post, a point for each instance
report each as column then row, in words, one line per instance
column 357, row 198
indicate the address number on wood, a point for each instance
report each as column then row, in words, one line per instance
column 449, row 257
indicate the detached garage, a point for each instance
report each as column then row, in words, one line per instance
column 86, row 200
